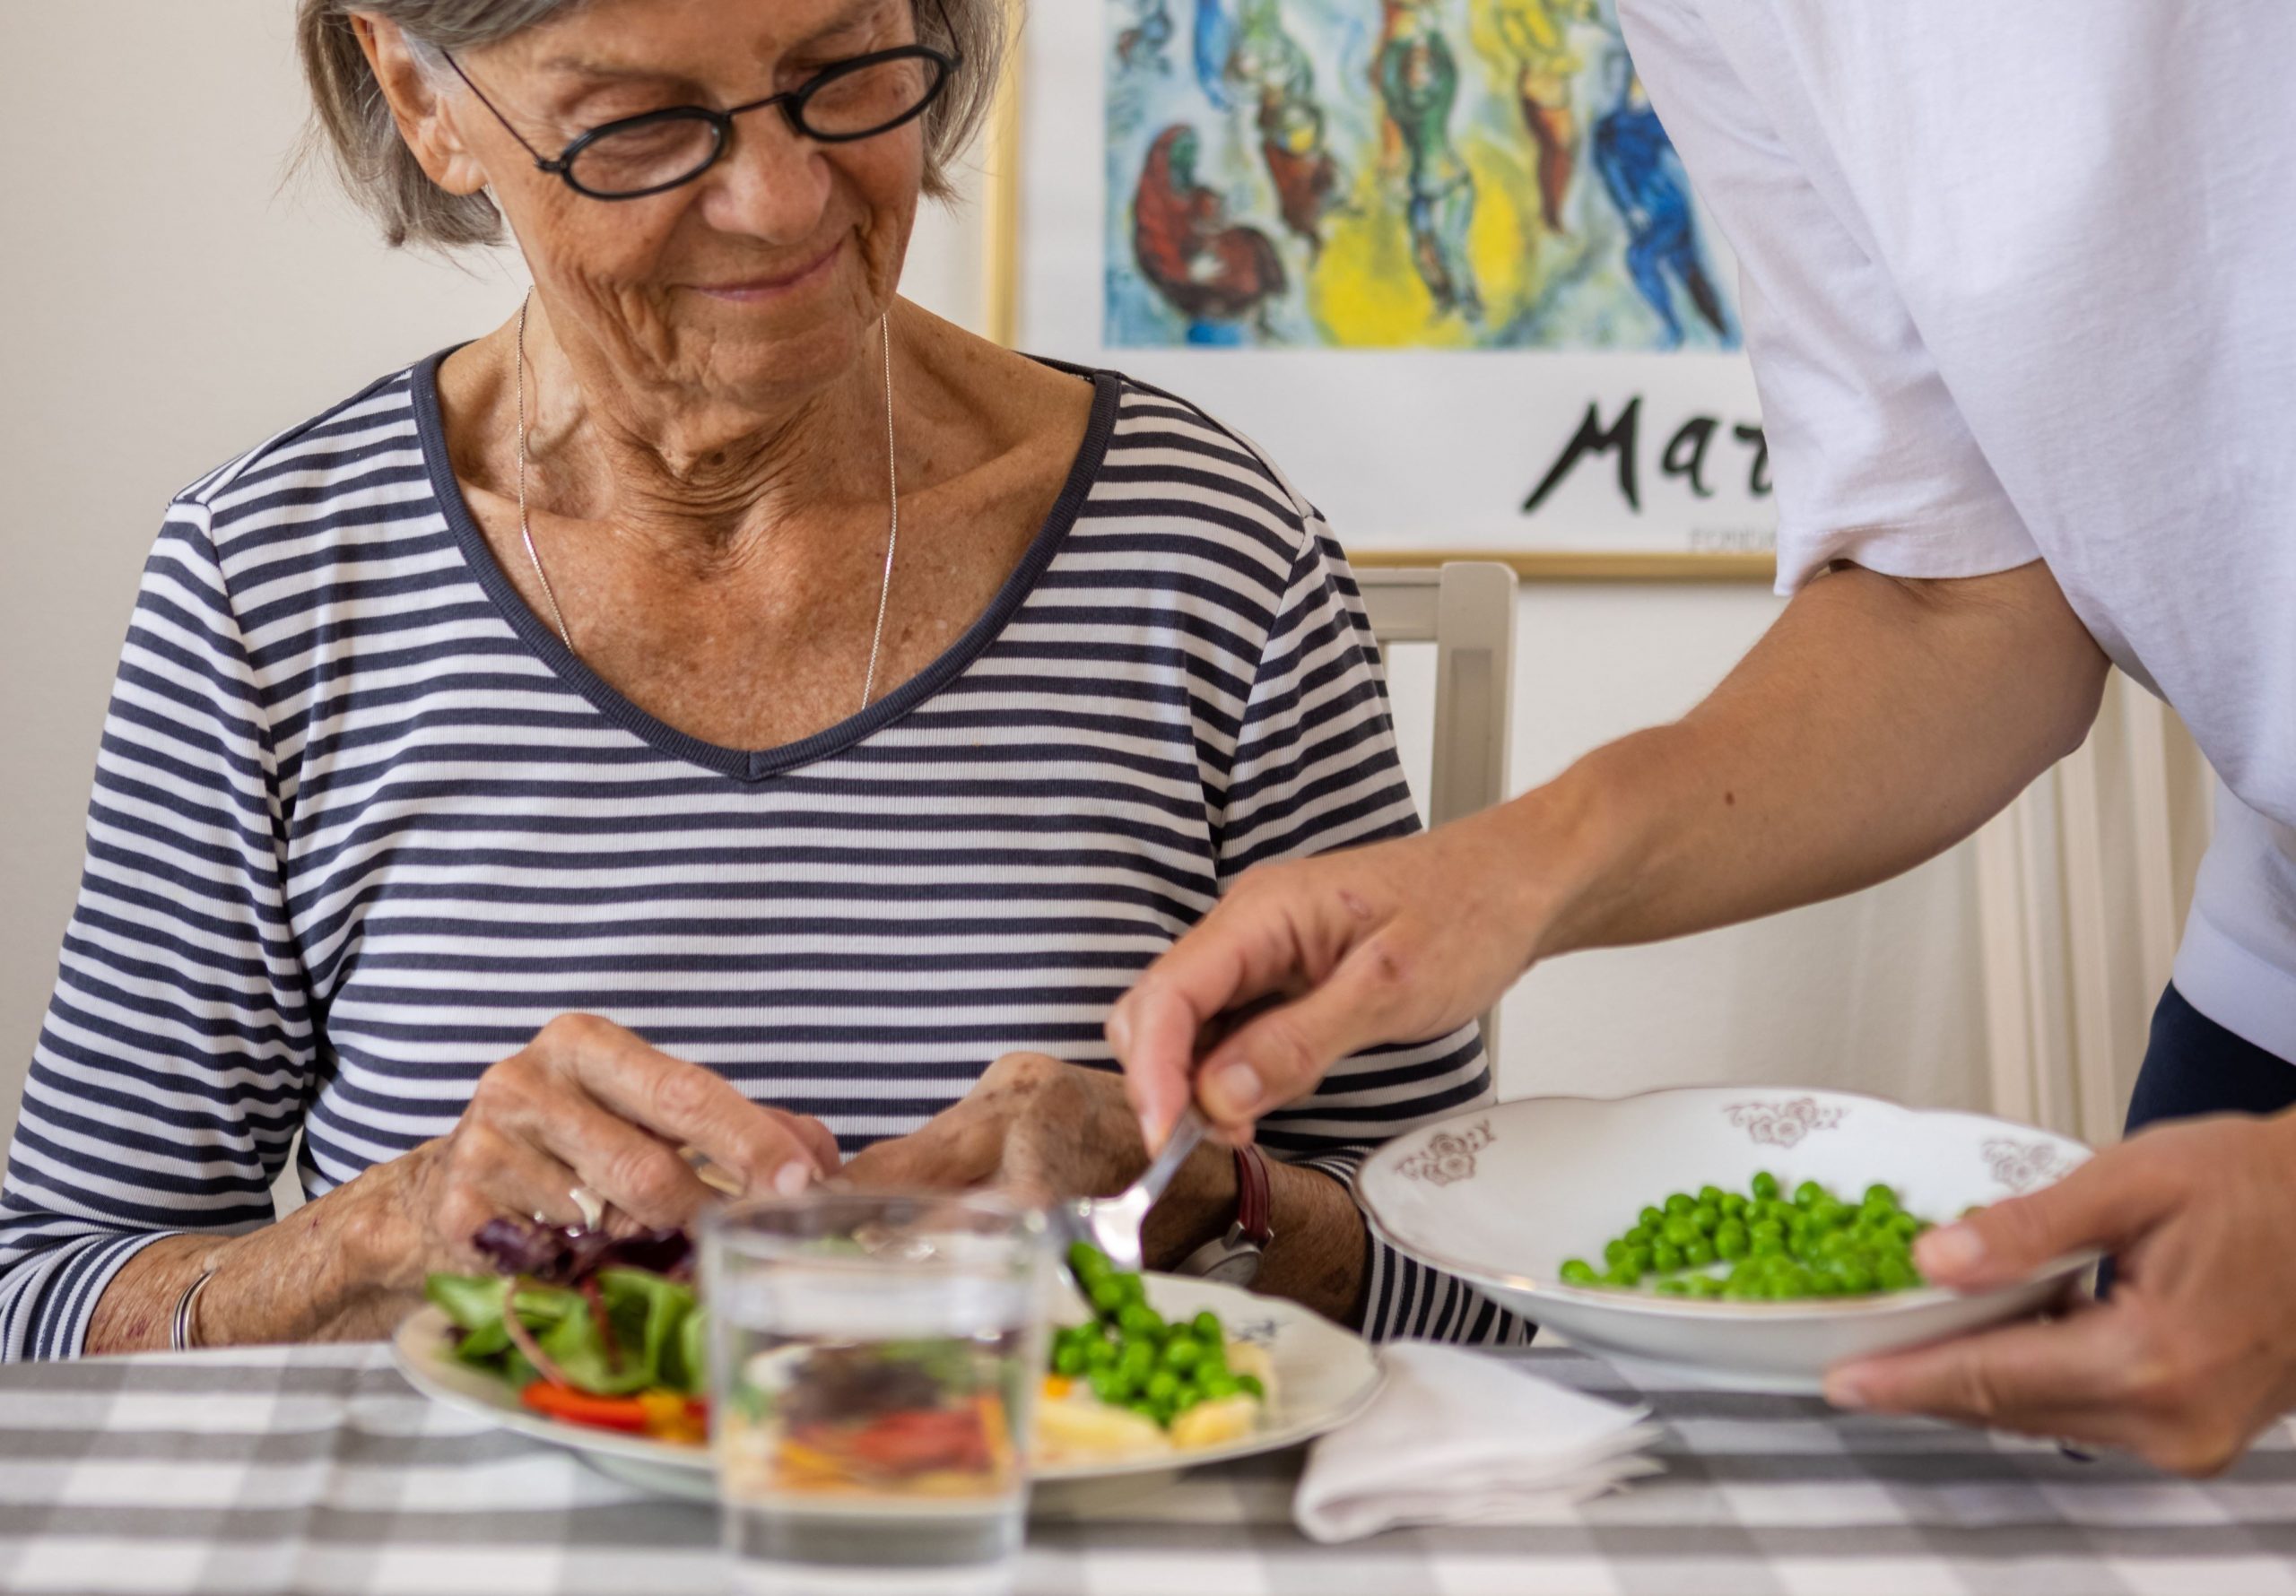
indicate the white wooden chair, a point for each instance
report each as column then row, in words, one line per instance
column 1467, row 609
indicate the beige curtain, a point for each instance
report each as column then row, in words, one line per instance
column 2083, row 885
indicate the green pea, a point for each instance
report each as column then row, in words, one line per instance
column 1183, row 1353
column 1732, row 1206
column 1705, row 1216
column 1680, row 1204
column 1711, row 1196
column 1731, row 1241
column 1251, row 1383
column 1614, row 1250
column 1698, row 1254
column 1677, row 1288
column 1208, row 1326
column 1161, row 1386
column 1895, row 1274
column 1765, row 1186
column 1107, row 1295
column 1220, row 1386
column 1136, row 1362
column 1666, row 1258
column 1622, row 1274
column 1808, row 1194
column 1651, row 1218
column 1881, row 1194
column 1068, row 1358
column 1705, row 1286
column 1110, row 1387
column 1907, row 1226
column 1856, row 1278
column 1577, row 1272
column 1682, row 1230
column 1140, row 1323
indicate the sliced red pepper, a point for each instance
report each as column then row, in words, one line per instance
column 626, row 1414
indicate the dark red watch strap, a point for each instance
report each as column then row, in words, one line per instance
column 1255, row 1205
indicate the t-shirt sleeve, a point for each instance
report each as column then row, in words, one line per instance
column 1316, row 767
column 1874, row 460
column 171, row 1068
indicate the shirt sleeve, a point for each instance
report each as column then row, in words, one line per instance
column 1316, row 768
column 171, row 1069
column 1874, row 460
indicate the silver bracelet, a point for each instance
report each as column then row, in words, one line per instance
column 179, row 1327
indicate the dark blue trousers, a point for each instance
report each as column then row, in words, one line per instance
column 2195, row 1066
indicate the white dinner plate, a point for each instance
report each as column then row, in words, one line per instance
column 1324, row 1376
column 1501, row 1195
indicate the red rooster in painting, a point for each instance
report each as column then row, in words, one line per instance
column 1207, row 270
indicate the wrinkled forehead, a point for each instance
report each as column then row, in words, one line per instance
column 692, row 39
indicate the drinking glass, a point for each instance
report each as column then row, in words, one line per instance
column 873, row 1360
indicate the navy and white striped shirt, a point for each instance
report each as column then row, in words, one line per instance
column 362, row 824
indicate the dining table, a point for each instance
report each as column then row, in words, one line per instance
column 318, row 1470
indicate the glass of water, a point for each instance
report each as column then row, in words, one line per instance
column 872, row 1361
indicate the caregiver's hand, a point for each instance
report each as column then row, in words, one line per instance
column 587, row 1103
column 1397, row 941
column 2194, row 1351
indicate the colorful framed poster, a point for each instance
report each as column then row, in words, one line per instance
column 1438, row 256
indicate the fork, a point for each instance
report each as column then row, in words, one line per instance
column 1112, row 1224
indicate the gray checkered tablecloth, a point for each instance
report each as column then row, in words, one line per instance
column 317, row 1471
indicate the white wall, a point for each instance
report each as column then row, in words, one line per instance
column 167, row 300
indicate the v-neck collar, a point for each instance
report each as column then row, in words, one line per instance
column 756, row 764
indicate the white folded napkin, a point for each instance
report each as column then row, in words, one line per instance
column 1460, row 1437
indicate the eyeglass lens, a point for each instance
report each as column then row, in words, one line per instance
column 659, row 152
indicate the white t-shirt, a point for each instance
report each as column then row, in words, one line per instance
column 2018, row 279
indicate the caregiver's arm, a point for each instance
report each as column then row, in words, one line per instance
column 1878, row 722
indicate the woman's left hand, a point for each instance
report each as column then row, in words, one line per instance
column 1032, row 1125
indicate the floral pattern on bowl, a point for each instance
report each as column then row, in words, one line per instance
column 2021, row 1165
column 1783, row 1124
column 1448, row 1155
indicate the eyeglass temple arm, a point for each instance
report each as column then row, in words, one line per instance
column 542, row 162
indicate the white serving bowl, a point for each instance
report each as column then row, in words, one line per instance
column 1501, row 1195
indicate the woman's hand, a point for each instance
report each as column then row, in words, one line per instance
column 2194, row 1352
column 589, row 1104
column 1032, row 1125
column 585, row 1104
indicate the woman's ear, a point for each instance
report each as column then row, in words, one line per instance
column 425, row 117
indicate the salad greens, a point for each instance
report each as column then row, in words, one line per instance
column 578, row 1319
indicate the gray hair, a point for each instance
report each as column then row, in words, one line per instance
column 353, row 121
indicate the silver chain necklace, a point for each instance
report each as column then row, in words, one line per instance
column 893, row 478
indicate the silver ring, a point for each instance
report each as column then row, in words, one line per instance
column 593, row 1206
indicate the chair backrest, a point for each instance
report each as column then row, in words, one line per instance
column 1467, row 609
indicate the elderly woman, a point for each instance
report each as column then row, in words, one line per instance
column 723, row 711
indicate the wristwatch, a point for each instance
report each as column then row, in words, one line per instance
column 1234, row 1259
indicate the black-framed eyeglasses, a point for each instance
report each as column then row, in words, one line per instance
column 842, row 104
